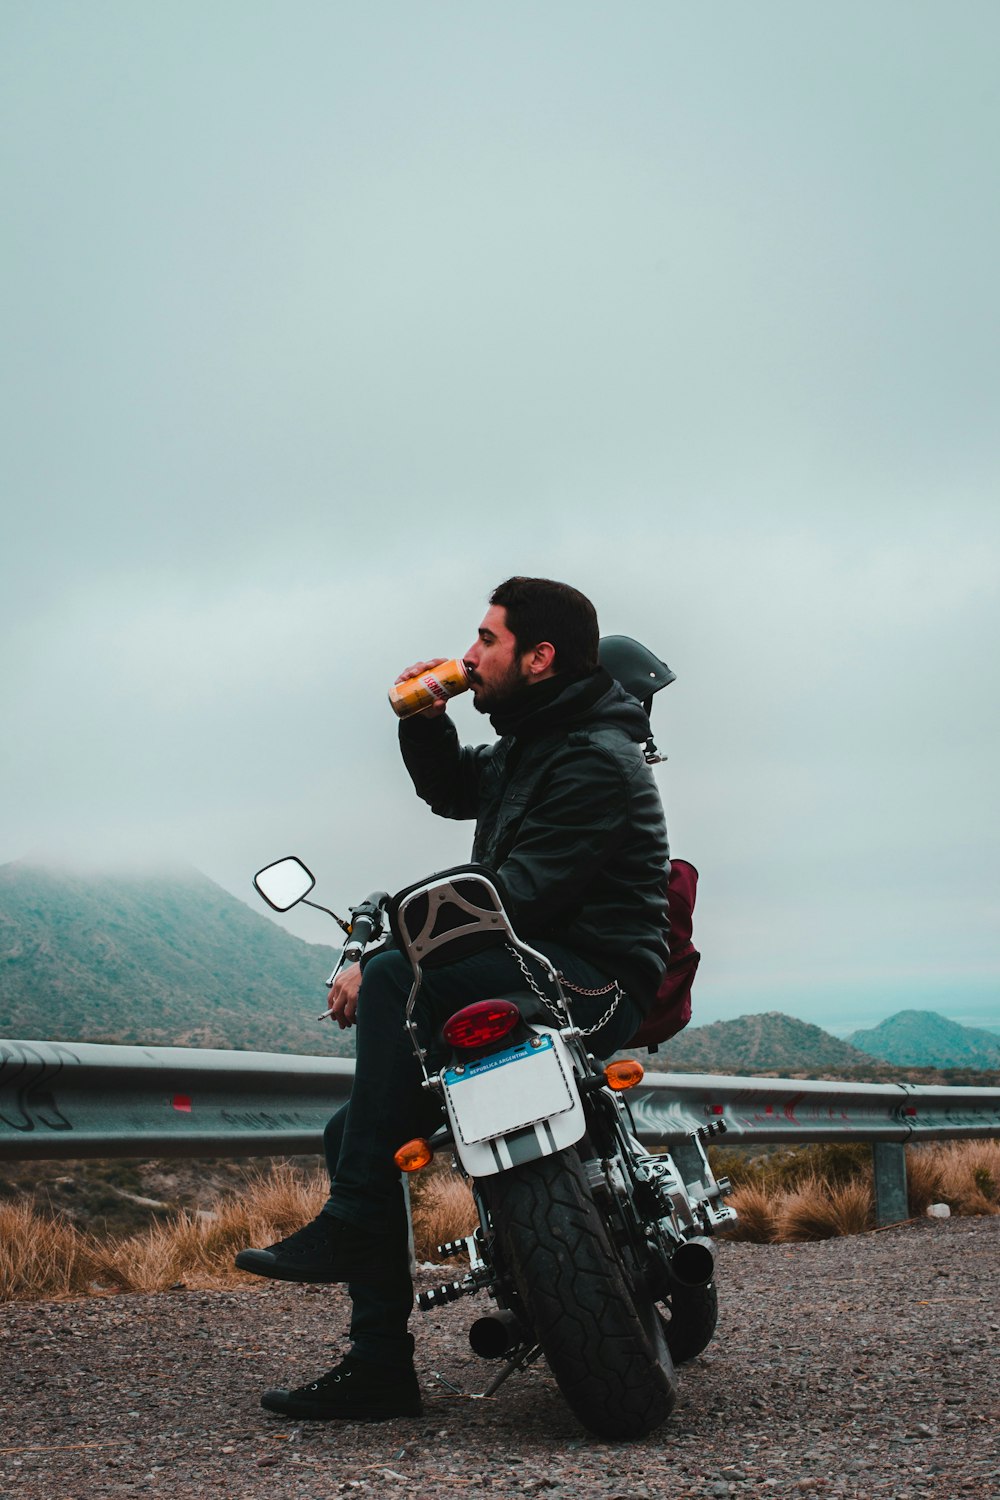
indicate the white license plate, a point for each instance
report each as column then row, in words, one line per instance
column 508, row 1091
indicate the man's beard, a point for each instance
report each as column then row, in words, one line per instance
column 503, row 694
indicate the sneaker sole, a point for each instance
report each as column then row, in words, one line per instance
column 259, row 1263
column 307, row 1411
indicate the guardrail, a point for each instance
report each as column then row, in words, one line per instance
column 65, row 1100
column 68, row 1100
column 771, row 1110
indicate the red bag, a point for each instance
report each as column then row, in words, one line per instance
column 671, row 1010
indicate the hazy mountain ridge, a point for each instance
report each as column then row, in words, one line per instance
column 768, row 1042
column 174, row 960
column 922, row 1038
column 165, row 959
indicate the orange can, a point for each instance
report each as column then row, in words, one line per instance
column 434, row 686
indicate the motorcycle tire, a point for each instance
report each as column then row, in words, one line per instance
column 604, row 1345
column 694, row 1312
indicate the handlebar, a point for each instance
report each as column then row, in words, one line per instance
column 366, row 924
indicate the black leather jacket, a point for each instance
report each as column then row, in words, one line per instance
column 568, row 814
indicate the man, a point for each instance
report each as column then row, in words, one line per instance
column 569, row 817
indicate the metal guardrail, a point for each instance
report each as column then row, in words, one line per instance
column 761, row 1111
column 67, row 1100
column 61, row 1100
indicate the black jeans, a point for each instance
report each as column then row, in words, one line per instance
column 388, row 1105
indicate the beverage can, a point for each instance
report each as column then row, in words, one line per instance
column 436, row 685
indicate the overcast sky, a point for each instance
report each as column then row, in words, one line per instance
column 320, row 319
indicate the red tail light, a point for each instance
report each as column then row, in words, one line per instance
column 477, row 1025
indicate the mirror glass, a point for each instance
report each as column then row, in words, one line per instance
column 284, row 883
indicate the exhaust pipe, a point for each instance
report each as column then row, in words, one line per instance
column 693, row 1263
column 496, row 1335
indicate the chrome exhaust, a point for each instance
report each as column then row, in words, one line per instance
column 693, row 1263
column 496, row 1335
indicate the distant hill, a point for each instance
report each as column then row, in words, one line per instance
column 166, row 960
column 768, row 1043
column 921, row 1038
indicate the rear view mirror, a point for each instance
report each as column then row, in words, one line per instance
column 284, row 883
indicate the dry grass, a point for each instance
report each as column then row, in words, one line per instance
column 442, row 1209
column 970, row 1176
column 817, row 1211
column 41, row 1257
column 200, row 1247
column 815, row 1192
column 47, row 1256
column 923, row 1178
column 756, row 1209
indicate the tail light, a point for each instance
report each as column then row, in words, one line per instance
column 478, row 1025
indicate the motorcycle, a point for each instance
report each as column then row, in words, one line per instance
column 596, row 1253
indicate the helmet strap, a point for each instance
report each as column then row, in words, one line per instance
column 653, row 756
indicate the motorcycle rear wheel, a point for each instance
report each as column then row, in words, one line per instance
column 603, row 1340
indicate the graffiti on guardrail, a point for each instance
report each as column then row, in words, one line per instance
column 26, row 1094
column 265, row 1120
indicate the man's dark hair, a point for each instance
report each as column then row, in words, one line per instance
column 539, row 609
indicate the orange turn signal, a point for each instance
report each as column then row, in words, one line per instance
column 624, row 1074
column 413, row 1156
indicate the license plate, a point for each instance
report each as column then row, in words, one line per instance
column 508, row 1091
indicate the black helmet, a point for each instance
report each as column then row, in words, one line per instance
column 633, row 665
column 638, row 671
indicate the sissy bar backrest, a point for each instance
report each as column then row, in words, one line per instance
column 450, row 915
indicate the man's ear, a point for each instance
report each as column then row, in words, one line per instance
column 540, row 660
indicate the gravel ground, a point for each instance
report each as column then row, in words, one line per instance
column 851, row 1367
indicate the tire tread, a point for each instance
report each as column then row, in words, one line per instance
column 578, row 1301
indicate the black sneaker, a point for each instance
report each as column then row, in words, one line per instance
column 354, row 1391
column 326, row 1250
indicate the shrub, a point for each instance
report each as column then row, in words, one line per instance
column 817, row 1211
column 970, row 1171
column 150, row 1261
column 755, row 1208
column 443, row 1209
column 923, row 1178
column 41, row 1257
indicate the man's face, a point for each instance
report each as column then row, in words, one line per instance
column 496, row 671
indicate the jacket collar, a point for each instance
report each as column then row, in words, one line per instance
column 557, row 703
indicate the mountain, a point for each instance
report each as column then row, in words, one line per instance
column 921, row 1038
column 768, row 1043
column 174, row 960
column 165, row 960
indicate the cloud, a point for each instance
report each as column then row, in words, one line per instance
column 317, row 331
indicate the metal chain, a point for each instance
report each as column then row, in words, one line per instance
column 606, row 989
column 590, row 1030
column 577, row 989
column 529, row 980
